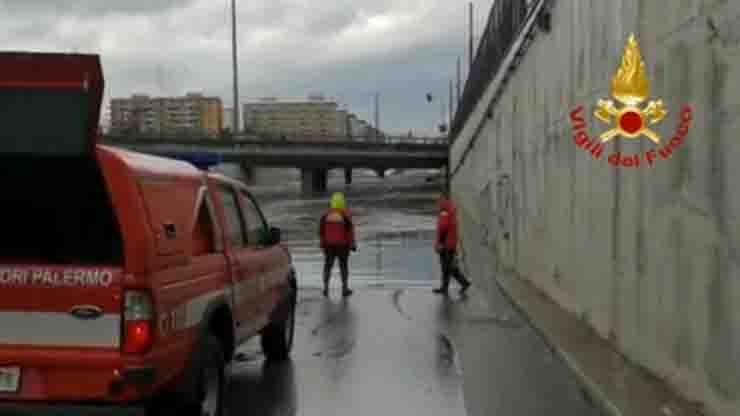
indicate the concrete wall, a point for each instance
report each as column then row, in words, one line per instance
column 650, row 256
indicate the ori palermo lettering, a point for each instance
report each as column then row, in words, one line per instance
column 45, row 277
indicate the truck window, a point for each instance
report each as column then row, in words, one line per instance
column 63, row 132
column 56, row 211
column 235, row 224
column 256, row 226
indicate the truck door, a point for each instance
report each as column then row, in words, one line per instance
column 244, row 265
column 272, row 260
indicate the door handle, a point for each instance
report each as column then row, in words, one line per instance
column 170, row 230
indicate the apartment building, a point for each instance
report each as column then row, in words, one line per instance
column 358, row 128
column 312, row 118
column 229, row 120
column 193, row 114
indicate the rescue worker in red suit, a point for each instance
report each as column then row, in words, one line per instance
column 446, row 246
column 337, row 234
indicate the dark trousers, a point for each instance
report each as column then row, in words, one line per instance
column 448, row 260
column 331, row 254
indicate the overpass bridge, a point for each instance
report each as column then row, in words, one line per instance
column 313, row 157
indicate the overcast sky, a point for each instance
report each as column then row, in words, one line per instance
column 342, row 48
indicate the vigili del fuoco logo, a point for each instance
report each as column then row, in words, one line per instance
column 629, row 118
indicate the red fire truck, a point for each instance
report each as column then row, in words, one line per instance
column 125, row 279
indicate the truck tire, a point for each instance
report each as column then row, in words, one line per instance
column 207, row 384
column 211, row 381
column 277, row 337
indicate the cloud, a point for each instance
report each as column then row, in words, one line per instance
column 89, row 7
column 345, row 48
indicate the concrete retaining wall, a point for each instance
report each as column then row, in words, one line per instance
column 649, row 256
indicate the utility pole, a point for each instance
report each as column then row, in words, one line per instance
column 459, row 80
column 470, row 45
column 451, row 104
column 236, row 110
column 443, row 110
column 377, row 115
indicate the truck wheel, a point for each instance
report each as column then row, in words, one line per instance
column 277, row 338
column 211, row 383
column 204, row 391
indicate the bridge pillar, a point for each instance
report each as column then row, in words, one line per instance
column 380, row 173
column 323, row 180
column 348, row 176
column 306, row 181
column 446, row 179
column 250, row 173
column 314, row 181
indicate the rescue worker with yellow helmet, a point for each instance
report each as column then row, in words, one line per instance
column 337, row 237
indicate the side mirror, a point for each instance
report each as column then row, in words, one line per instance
column 274, row 236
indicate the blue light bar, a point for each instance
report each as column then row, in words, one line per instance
column 202, row 161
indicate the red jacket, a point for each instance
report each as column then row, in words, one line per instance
column 336, row 229
column 447, row 225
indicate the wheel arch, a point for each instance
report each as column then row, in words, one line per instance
column 289, row 299
column 218, row 320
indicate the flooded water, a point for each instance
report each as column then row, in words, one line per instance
column 399, row 261
column 395, row 225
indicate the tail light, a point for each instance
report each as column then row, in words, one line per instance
column 138, row 329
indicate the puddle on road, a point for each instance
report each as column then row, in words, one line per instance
column 394, row 261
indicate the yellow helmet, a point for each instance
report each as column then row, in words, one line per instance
column 337, row 201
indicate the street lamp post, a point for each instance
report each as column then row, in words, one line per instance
column 442, row 123
column 235, row 115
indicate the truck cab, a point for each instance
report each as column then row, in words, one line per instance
column 125, row 278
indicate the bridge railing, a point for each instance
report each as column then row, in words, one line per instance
column 224, row 140
column 506, row 19
column 401, row 140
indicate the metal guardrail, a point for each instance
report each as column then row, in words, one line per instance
column 401, row 140
column 297, row 155
column 321, row 140
column 505, row 21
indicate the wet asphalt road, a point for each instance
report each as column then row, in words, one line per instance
column 362, row 356
column 407, row 352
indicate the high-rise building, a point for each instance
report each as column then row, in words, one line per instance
column 193, row 114
column 358, row 128
column 314, row 118
column 229, row 119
